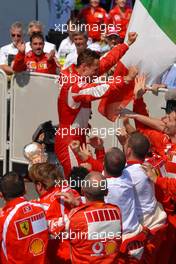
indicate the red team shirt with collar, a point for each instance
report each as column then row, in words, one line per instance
column 56, row 211
column 94, row 21
column 33, row 63
column 23, row 232
column 120, row 20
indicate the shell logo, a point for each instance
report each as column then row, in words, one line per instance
column 110, row 247
column 36, row 247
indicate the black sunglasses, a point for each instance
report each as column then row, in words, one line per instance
column 17, row 35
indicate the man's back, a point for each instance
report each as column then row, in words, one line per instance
column 56, row 213
column 146, row 203
column 24, row 233
column 95, row 233
column 121, row 193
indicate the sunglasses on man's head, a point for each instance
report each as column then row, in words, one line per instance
column 16, row 35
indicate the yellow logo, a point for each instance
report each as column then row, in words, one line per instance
column 36, row 247
column 24, row 226
column 110, row 247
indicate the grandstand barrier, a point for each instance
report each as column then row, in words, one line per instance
column 33, row 101
column 3, row 118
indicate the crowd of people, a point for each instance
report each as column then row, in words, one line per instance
column 112, row 206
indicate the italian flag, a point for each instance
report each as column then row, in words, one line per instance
column 153, row 52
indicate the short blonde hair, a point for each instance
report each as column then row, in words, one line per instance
column 18, row 25
column 35, row 23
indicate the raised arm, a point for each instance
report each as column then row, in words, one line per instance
column 113, row 56
column 19, row 64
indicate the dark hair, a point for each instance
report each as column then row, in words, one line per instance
column 47, row 174
column 12, row 185
column 38, row 35
column 76, row 177
column 87, row 56
column 114, row 162
column 139, row 144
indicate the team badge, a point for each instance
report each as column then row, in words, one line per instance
column 37, row 247
column 24, row 226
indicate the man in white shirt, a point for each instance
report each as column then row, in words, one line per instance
column 8, row 52
column 37, row 27
column 80, row 39
column 67, row 45
column 150, row 212
column 121, row 193
column 120, row 189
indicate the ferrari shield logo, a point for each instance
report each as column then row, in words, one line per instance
column 24, row 226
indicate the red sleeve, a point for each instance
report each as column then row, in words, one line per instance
column 100, row 153
column 112, row 57
column 19, row 62
column 93, row 91
column 97, row 165
column 168, row 185
column 140, row 107
column 110, row 17
column 157, row 138
column 106, row 17
column 52, row 66
column 165, row 199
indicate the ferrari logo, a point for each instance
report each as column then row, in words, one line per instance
column 24, row 226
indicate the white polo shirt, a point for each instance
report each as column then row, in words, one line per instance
column 66, row 47
column 5, row 51
column 121, row 193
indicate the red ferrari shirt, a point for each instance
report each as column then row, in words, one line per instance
column 120, row 20
column 33, row 63
column 23, row 233
column 94, row 21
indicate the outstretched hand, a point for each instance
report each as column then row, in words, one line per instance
column 150, row 171
column 96, row 142
column 132, row 72
column 84, row 152
column 122, row 136
column 51, row 55
column 70, row 198
column 140, row 87
column 132, row 36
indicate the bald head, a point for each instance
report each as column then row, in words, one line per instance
column 114, row 162
column 94, row 186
